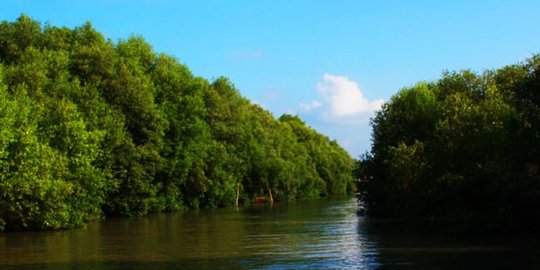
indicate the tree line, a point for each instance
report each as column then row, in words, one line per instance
column 464, row 148
column 92, row 128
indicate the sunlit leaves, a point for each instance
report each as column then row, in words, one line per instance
column 89, row 128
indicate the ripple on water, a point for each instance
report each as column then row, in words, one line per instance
column 306, row 235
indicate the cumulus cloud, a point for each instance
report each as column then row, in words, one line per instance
column 344, row 97
column 342, row 101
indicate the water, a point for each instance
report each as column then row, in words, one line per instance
column 319, row 234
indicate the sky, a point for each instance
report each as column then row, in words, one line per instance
column 333, row 63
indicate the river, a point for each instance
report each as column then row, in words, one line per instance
column 317, row 234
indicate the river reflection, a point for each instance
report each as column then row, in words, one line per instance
column 318, row 234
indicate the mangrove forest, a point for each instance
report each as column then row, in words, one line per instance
column 91, row 128
column 464, row 149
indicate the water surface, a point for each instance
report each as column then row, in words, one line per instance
column 318, row 234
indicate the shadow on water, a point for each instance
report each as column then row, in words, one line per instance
column 402, row 245
column 317, row 234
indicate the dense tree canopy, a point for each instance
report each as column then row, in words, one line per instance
column 464, row 148
column 89, row 127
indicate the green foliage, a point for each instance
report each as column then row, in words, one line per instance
column 458, row 149
column 90, row 128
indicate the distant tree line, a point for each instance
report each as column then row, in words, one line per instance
column 92, row 128
column 464, row 148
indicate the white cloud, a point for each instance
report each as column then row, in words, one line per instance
column 344, row 97
column 342, row 101
column 311, row 106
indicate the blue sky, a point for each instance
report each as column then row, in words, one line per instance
column 331, row 62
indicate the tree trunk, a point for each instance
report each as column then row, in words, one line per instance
column 270, row 194
column 237, row 194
